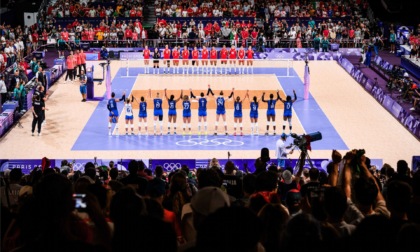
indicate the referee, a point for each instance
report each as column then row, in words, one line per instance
column 37, row 111
column 83, row 89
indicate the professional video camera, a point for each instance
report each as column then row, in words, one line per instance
column 303, row 142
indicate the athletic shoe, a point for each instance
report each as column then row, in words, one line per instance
column 32, row 134
column 266, row 133
column 169, row 132
column 226, row 134
column 413, row 108
column 132, row 133
column 274, row 133
column 39, row 134
column 215, row 133
column 126, row 133
column 174, row 132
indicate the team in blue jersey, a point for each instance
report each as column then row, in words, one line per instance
column 287, row 115
column 237, row 113
column 221, row 109
column 202, row 112
column 271, row 111
column 113, row 112
column 172, row 111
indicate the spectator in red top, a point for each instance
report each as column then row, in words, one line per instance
column 245, row 36
column 91, row 34
column 128, row 36
column 175, row 56
column 35, row 40
column 133, row 12
column 65, row 35
column 139, row 13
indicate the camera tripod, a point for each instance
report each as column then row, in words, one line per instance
column 307, row 158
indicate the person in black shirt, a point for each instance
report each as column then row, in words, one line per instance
column 156, row 57
column 40, row 92
column 37, row 110
column 120, row 35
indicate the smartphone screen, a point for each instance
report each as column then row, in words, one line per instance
column 80, row 201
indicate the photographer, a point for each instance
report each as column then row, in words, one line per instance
column 282, row 151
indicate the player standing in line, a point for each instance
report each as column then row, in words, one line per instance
column 156, row 58
column 271, row 111
column 172, row 111
column 186, row 114
column 241, row 61
column 232, row 59
column 194, row 54
column 166, row 58
column 249, row 62
column 185, row 60
column 113, row 112
column 213, row 60
column 175, row 57
column 157, row 112
column 129, row 115
column 237, row 114
column 146, row 56
column 253, row 114
column 202, row 110
column 142, row 114
column 204, row 59
column 223, row 57
column 287, row 115
column 221, row 109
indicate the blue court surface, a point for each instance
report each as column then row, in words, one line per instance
column 95, row 133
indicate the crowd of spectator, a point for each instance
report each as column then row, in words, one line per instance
column 351, row 206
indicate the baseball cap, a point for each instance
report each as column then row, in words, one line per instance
column 208, row 199
column 287, row 176
column 283, row 135
column 293, row 196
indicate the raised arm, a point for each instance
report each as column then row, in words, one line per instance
column 191, row 94
column 231, row 93
column 333, row 176
column 150, row 93
column 295, row 97
column 262, row 98
column 278, row 96
column 122, row 98
column 180, row 97
column 166, row 96
column 346, row 179
column 368, row 174
column 246, row 96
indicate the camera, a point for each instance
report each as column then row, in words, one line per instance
column 303, row 142
column 80, row 202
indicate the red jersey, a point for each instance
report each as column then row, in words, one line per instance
column 75, row 56
column 133, row 13
column 45, row 36
column 35, row 37
column 91, row 35
column 175, row 54
column 146, row 53
column 245, row 34
column 85, row 35
column 223, row 54
column 185, row 54
column 65, row 36
column 128, row 34
column 250, row 54
column 254, row 34
column 213, row 54
column 195, row 54
column 82, row 57
column 166, row 53
column 70, row 63
column 205, row 54
column 232, row 54
column 135, row 36
column 241, row 54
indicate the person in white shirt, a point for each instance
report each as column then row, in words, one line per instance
column 282, row 150
column 92, row 13
column 3, row 89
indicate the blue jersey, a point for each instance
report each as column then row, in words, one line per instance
column 143, row 109
column 237, row 112
column 271, row 107
column 220, row 102
column 157, row 102
column 172, row 107
column 112, row 105
column 254, row 110
column 186, row 112
column 288, row 108
column 202, row 107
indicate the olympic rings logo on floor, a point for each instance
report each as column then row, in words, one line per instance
column 210, row 142
column 171, row 166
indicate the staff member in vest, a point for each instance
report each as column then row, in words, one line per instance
column 37, row 110
column 83, row 80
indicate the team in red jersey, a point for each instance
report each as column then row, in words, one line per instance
column 146, row 56
column 204, row 58
column 241, row 59
column 194, row 55
column 185, row 56
column 166, row 59
column 232, row 58
column 175, row 55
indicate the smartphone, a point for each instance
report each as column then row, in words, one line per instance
column 80, row 202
